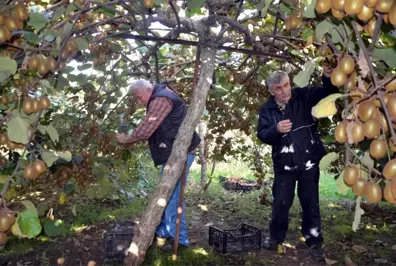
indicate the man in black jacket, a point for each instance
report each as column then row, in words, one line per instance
column 286, row 123
column 166, row 111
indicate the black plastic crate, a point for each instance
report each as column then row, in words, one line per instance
column 238, row 185
column 242, row 238
column 117, row 245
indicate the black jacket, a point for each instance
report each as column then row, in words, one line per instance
column 301, row 148
column 161, row 141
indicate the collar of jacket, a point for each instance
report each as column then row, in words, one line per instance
column 272, row 102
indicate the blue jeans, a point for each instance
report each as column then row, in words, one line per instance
column 167, row 227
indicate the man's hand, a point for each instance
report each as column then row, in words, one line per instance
column 284, row 126
column 124, row 138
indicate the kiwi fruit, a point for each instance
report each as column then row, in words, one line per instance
column 366, row 14
column 338, row 5
column 338, row 77
column 45, row 103
column 3, row 138
column 43, row 67
column 21, row 12
column 3, row 34
column 391, row 104
column 389, row 170
column 33, row 63
column 392, row 15
column 385, row 17
column 384, row 6
column 6, row 220
column 293, row 22
column 19, row 24
column 30, row 172
column 391, row 86
column 378, row 148
column 372, row 128
column 27, row 106
column 366, row 110
column 370, row 26
column 392, row 146
column 359, row 187
column 148, row 3
column 40, row 166
column 351, row 82
column 36, row 105
column 370, row 3
column 357, row 133
column 347, row 64
column 11, row 23
column 373, row 192
column 4, row 99
column 353, row 7
column 11, row 145
column 323, row 6
column 351, row 175
column 337, row 14
column 388, row 195
column 340, row 132
column 50, row 64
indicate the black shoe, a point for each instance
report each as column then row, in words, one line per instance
column 269, row 244
column 316, row 252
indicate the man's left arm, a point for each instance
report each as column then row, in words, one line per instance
column 315, row 94
column 158, row 110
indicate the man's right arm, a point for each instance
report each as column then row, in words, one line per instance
column 266, row 130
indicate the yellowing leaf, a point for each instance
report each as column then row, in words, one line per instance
column 326, row 107
column 327, row 160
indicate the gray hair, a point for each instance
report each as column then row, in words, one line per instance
column 276, row 77
column 139, row 84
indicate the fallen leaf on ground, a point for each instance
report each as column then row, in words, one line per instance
column 330, row 262
column 359, row 249
column 381, row 261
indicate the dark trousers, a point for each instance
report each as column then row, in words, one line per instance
column 308, row 193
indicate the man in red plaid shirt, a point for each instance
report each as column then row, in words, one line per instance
column 165, row 113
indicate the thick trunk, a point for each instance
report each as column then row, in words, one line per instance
column 144, row 231
column 202, row 157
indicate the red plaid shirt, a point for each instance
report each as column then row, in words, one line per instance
column 159, row 108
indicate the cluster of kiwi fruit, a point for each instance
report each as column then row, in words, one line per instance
column 363, row 9
column 34, row 169
column 42, row 64
column 81, row 172
column 13, row 21
column 293, row 22
column 35, row 105
column 101, row 50
column 7, row 219
column 369, row 189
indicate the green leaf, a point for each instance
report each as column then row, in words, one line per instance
column 70, row 8
column 29, row 223
column 30, row 206
column 52, row 133
column 191, row 4
column 91, row 193
column 41, row 128
column 18, row 130
column 321, row 29
column 388, row 55
column 67, row 156
column 49, row 35
column 327, row 160
column 31, row 37
column 335, row 36
column 42, row 207
column 37, row 21
column 61, row 83
column 58, row 13
column 80, row 78
column 309, row 10
column 82, row 43
column 53, row 228
column 263, row 6
column 342, row 188
column 303, row 77
column 74, row 210
column 3, row 107
column 67, row 28
column 49, row 157
column 285, row 8
column 8, row 67
column 367, row 160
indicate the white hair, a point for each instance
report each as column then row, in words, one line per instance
column 276, row 77
column 139, row 84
